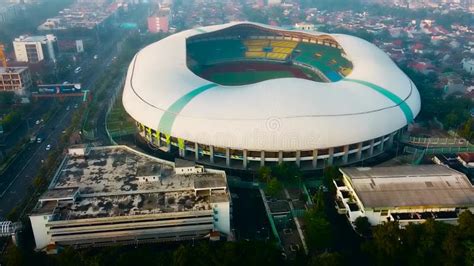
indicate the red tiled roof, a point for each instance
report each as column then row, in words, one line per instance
column 467, row 156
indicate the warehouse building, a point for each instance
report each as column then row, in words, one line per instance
column 407, row 194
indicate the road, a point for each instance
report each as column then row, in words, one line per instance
column 14, row 182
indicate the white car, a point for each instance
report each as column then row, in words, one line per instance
column 48, row 147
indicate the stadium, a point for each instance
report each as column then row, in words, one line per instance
column 242, row 95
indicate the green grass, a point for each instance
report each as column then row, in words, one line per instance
column 241, row 78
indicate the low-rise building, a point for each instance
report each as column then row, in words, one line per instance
column 468, row 65
column 407, row 194
column 116, row 195
column 16, row 79
column 159, row 22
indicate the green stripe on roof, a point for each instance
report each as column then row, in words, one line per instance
column 200, row 30
column 390, row 95
column 167, row 120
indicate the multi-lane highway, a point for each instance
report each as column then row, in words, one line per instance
column 14, row 182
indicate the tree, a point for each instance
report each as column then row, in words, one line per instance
column 14, row 256
column 182, row 256
column 327, row 259
column 264, row 174
column 318, row 230
column 362, row 225
column 466, row 131
column 274, row 187
column 386, row 240
column 452, row 248
column 318, row 200
column 466, row 224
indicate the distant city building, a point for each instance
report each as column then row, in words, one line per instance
column 304, row 26
column 82, row 14
column 16, row 79
column 274, row 2
column 33, row 49
column 9, row 12
column 468, row 65
column 79, row 46
column 158, row 24
column 407, row 194
column 160, row 21
column 115, row 195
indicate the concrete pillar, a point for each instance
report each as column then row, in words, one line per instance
column 196, row 151
column 345, row 157
column 157, row 139
column 315, row 158
column 381, row 143
column 371, row 149
column 390, row 140
column 211, row 152
column 280, row 157
column 244, row 163
column 298, row 158
column 182, row 147
column 359, row 151
column 262, row 158
column 331, row 156
column 227, row 156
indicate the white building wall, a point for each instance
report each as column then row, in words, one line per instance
column 188, row 170
column 223, row 217
column 468, row 65
column 20, row 52
column 40, row 231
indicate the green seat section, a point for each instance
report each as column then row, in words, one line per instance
column 215, row 51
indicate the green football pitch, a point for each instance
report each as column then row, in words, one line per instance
column 242, row 78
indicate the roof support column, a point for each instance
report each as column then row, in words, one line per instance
column 244, row 162
column 262, row 158
column 359, row 151
column 382, row 143
column 331, row 156
column 211, row 153
column 371, row 149
column 196, row 151
column 345, row 157
column 298, row 158
column 315, row 158
column 227, row 157
column 390, row 140
column 182, row 147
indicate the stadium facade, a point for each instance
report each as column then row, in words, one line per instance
column 242, row 95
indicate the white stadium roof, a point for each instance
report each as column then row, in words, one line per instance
column 285, row 114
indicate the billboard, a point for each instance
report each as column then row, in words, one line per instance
column 59, row 88
column 79, row 46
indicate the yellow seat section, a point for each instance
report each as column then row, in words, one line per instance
column 256, row 42
column 277, row 56
column 288, row 44
column 282, row 50
column 255, row 54
column 254, row 48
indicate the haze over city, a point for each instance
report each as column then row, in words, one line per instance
column 236, row 132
